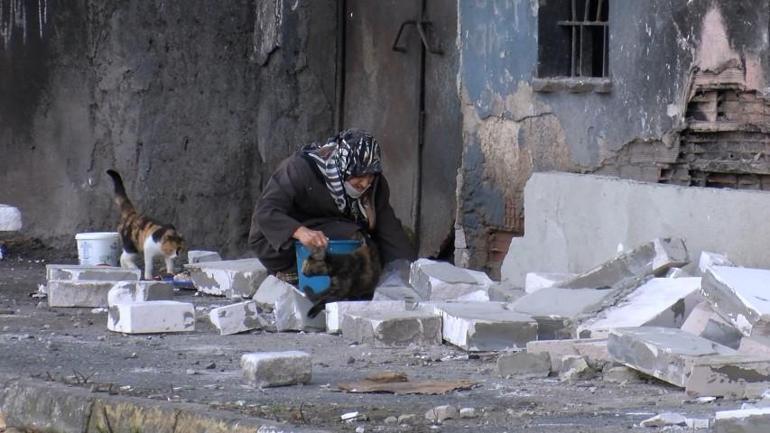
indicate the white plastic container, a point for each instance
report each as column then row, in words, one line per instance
column 99, row 248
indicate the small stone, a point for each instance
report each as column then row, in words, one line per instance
column 360, row 429
column 441, row 413
column 190, row 371
column 467, row 412
column 665, row 419
column 391, row 420
column 407, row 418
column 620, row 375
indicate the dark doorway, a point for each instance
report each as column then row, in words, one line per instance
column 400, row 63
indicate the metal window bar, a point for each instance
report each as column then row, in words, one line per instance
column 578, row 29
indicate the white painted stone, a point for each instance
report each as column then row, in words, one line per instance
column 742, row 421
column 594, row 351
column 704, row 322
column 230, row 278
column 740, row 295
column 393, row 329
column 335, row 310
column 91, row 273
column 235, row 318
column 440, row 281
column 535, row 281
column 10, row 218
column 198, row 256
column 709, row 259
column 126, row 292
column 72, row 293
column 268, row 369
column 151, row 317
column 290, row 309
column 485, row 326
column 658, row 302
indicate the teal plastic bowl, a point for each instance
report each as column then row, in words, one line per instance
column 320, row 283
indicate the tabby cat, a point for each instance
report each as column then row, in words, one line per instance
column 353, row 276
column 139, row 232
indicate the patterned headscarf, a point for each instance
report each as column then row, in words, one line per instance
column 352, row 152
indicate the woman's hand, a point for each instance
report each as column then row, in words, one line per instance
column 311, row 238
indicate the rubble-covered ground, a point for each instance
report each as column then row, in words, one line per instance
column 73, row 346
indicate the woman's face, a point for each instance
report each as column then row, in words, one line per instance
column 361, row 183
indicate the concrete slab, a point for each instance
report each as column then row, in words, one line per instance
column 593, row 350
column 126, row 292
column 740, row 295
column 336, row 310
column 393, row 329
column 486, row 326
column 269, row 369
column 665, row 353
column 524, row 364
column 91, row 273
column 439, row 281
column 658, row 302
column 731, row 376
column 535, row 281
column 751, row 346
column 236, row 318
column 230, row 278
column 704, row 322
column 10, row 218
column 151, row 317
column 573, row 222
column 742, row 421
column 72, row 293
column 199, row 256
column 556, row 310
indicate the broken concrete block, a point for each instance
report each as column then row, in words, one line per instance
column 665, row 419
column 198, row 256
column 230, row 278
column 501, row 292
column 665, row 353
column 594, row 351
column 620, row 374
column 269, row 291
column 750, row 346
column 91, row 273
column 676, row 273
column 556, row 310
column 396, row 293
column 740, row 296
column 658, row 302
column 524, row 364
column 235, row 318
column 708, row 259
column 535, row 281
column 730, row 376
column 126, row 292
column 441, row 413
column 151, row 317
column 72, row 293
column 267, row 369
column 391, row 329
column 290, row 310
column 574, row 367
column 651, row 258
column 742, row 421
column 486, row 326
column 336, row 310
column 704, row 322
column 440, row 281
column 10, row 218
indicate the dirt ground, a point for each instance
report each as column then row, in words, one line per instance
column 74, row 346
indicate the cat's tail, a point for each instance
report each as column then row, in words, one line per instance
column 121, row 199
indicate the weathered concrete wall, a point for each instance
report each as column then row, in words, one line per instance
column 193, row 102
column 511, row 130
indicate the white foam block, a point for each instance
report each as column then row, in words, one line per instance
column 151, row 317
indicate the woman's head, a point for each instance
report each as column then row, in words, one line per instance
column 359, row 155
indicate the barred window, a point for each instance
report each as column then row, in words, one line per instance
column 573, row 38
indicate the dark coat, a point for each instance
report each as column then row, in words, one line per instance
column 296, row 195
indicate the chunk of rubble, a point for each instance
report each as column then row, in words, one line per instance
column 126, row 292
column 269, row 369
column 740, row 296
column 230, row 278
column 396, row 293
column 556, row 310
column 502, row 292
column 10, row 218
column 236, row 318
column 574, row 367
column 709, row 259
column 620, row 374
column 594, row 351
column 393, row 329
column 652, row 258
column 524, row 364
column 751, row 346
column 665, row 419
column 742, row 421
column 151, row 317
column 485, row 326
column 440, row 281
column 658, row 302
column 731, row 376
column 704, row 322
column 73, row 293
column 199, row 256
column 290, row 309
column 91, row 273
column 535, row 281
column 665, row 353
column 336, row 310
column 440, row 414
column 269, row 291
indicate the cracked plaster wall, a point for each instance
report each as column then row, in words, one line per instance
column 509, row 130
column 186, row 99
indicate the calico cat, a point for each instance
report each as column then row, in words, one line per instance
column 353, row 276
column 140, row 233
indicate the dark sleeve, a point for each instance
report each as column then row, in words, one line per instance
column 272, row 213
column 388, row 232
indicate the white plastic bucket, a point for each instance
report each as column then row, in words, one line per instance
column 100, row 248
